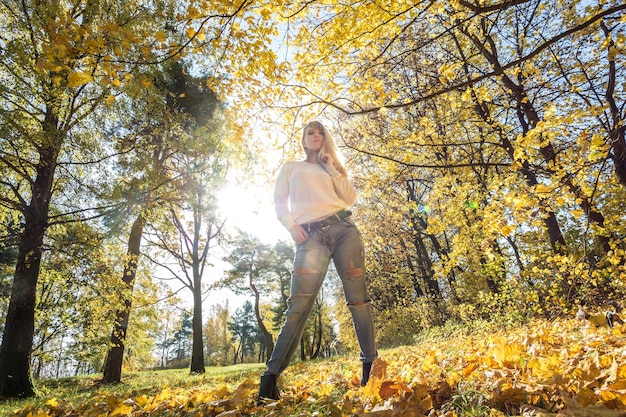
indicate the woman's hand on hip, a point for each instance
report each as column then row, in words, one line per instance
column 298, row 234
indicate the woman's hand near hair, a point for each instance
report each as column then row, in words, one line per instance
column 298, row 234
column 327, row 162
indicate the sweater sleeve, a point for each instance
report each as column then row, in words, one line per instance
column 281, row 198
column 344, row 189
column 343, row 186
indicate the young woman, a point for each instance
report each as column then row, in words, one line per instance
column 312, row 198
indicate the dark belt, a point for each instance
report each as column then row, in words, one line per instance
column 328, row 221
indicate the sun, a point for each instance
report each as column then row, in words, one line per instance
column 251, row 209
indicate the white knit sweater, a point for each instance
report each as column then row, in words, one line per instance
column 306, row 192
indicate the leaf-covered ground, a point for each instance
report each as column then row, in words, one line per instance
column 561, row 368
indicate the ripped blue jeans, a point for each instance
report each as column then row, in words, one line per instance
column 342, row 243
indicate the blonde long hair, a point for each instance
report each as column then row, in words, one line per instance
column 329, row 147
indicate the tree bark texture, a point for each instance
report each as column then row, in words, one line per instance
column 197, row 345
column 17, row 340
column 112, row 372
column 269, row 341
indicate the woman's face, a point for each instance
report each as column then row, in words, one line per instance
column 313, row 139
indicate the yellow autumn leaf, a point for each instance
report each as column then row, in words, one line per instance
column 483, row 94
column 122, row 410
column 507, row 354
column 467, row 95
column 550, row 111
column 545, row 368
column 52, row 67
column 192, row 12
column 325, row 389
column 76, row 79
column 110, row 99
column 607, row 395
column 434, row 225
column 117, row 82
column 453, row 378
column 266, row 13
column 160, row 36
column 242, row 392
column 618, row 386
column 507, row 230
column 542, row 188
column 469, row 369
column 38, row 413
column 597, row 141
column 449, row 71
column 52, row 402
column 586, row 397
column 590, row 367
column 430, row 363
column 141, row 400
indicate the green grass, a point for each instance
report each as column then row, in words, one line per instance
column 76, row 390
column 468, row 401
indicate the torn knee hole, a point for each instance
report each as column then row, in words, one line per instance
column 353, row 273
column 299, row 296
column 303, row 270
column 357, row 303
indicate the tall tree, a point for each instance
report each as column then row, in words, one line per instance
column 178, row 103
column 113, row 363
column 181, row 339
column 281, row 270
column 62, row 62
column 9, row 231
column 168, row 314
column 254, row 269
column 217, row 336
column 319, row 331
column 190, row 227
column 243, row 326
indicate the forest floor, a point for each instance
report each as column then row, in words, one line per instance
column 562, row 368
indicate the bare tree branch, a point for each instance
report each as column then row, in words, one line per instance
column 457, row 86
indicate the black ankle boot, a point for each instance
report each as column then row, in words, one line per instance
column 267, row 389
column 367, row 367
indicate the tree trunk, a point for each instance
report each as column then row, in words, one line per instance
column 236, row 352
column 269, row 341
column 319, row 331
column 17, row 340
column 616, row 126
column 618, row 142
column 528, row 119
column 414, row 274
column 197, row 347
column 112, row 372
column 420, row 225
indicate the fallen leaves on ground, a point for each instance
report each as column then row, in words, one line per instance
column 550, row 369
